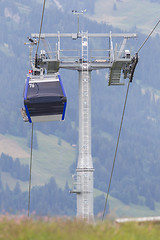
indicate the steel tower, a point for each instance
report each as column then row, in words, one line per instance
column 117, row 61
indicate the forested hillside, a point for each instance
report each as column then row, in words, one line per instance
column 47, row 200
column 136, row 177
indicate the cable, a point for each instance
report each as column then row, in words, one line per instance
column 106, row 201
column 30, row 175
column 116, row 150
column 148, row 36
column 41, row 26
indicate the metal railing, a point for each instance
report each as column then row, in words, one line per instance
column 100, row 54
column 68, row 55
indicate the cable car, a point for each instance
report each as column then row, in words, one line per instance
column 44, row 98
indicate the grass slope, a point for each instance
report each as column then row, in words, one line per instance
column 127, row 14
column 49, row 160
column 117, row 208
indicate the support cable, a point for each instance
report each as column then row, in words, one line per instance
column 41, row 26
column 116, row 150
column 148, row 36
column 106, row 201
column 30, row 175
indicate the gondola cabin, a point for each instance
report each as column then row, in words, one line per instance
column 44, row 98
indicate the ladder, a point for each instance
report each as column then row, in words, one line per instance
column 85, row 50
column 85, row 90
column 85, row 150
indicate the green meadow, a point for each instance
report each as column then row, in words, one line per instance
column 21, row 228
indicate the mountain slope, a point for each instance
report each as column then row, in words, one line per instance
column 52, row 158
column 136, row 177
column 127, row 14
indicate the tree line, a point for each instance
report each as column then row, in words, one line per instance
column 14, row 167
column 47, row 200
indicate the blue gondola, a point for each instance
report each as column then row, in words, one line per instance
column 44, row 98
